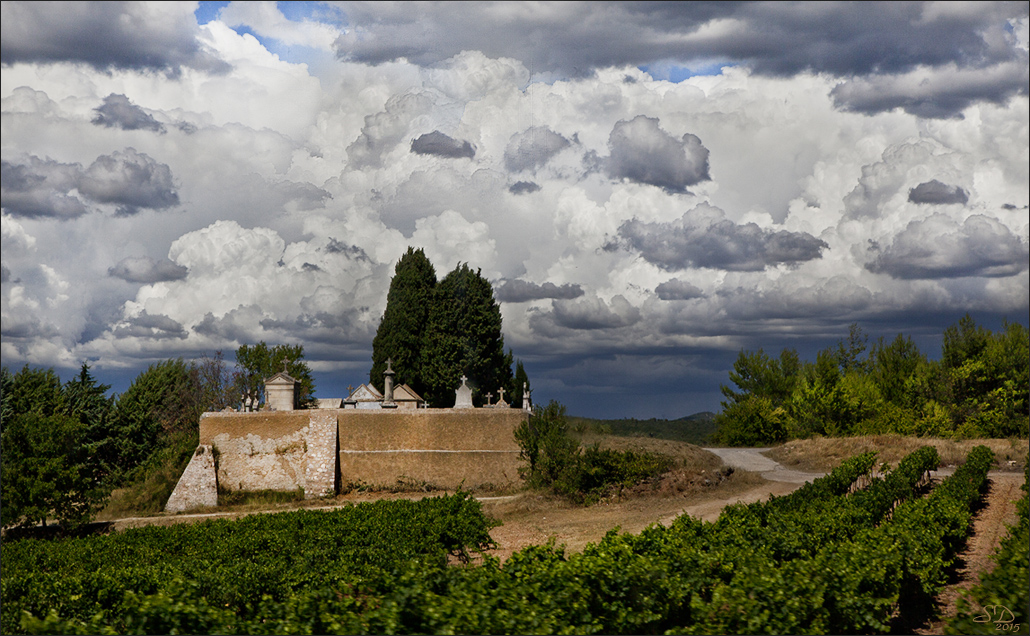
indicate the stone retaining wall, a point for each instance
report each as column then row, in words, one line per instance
column 198, row 486
column 320, row 450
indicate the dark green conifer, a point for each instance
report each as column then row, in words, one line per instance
column 401, row 331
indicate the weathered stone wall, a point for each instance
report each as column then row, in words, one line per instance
column 198, row 486
column 318, row 450
column 258, row 451
column 442, row 447
column 320, row 462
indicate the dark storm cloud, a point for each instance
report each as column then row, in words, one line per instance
column 118, row 112
column 43, row 187
column 143, row 269
column 5, row 274
column 523, row 187
column 131, row 180
column 935, row 192
column 938, row 247
column 105, row 35
column 718, row 244
column 520, row 291
column 225, row 327
column 849, row 40
column 40, row 188
column 941, row 94
column 532, row 148
column 594, row 313
column 153, row 327
column 677, row 289
column 441, row 145
column 641, row 151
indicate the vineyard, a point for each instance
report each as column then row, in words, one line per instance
column 859, row 551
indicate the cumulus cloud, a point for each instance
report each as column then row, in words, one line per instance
column 939, row 247
column 143, row 269
column 118, row 112
column 641, row 151
column 937, row 193
column 41, row 188
column 384, row 130
column 702, row 238
column 125, row 35
column 532, row 148
column 131, row 180
column 593, row 313
column 147, row 326
column 520, row 291
column 676, row 289
column 441, row 145
column 47, row 188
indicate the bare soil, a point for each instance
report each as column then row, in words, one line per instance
column 989, row 528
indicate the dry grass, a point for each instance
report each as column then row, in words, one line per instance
column 683, row 454
column 823, row 454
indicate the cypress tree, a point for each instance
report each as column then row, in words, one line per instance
column 401, row 330
column 463, row 337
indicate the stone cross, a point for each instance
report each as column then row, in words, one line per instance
column 489, row 396
column 286, row 361
column 501, row 391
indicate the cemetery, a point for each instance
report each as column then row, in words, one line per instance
column 369, row 438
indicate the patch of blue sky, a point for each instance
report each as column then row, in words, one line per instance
column 676, row 73
column 207, row 11
column 298, row 11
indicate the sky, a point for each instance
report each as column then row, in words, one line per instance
column 650, row 187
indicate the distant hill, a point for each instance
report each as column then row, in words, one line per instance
column 694, row 429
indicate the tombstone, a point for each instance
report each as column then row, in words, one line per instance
column 526, row 403
column 388, row 402
column 463, row 395
column 501, row 404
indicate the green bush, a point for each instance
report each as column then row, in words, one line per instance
column 554, row 460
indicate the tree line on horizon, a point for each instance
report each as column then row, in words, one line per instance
column 978, row 389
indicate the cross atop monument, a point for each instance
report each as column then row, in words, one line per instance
column 286, row 361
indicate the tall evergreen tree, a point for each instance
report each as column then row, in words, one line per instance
column 521, row 384
column 463, row 337
column 401, row 331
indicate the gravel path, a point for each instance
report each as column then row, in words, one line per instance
column 753, row 460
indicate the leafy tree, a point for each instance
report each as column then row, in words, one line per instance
column 35, row 391
column 257, row 363
column 463, row 337
column 849, row 353
column 756, row 374
column 963, row 341
column 402, row 329
column 47, row 471
column 544, row 443
column 894, row 365
column 151, row 406
column 752, row 421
